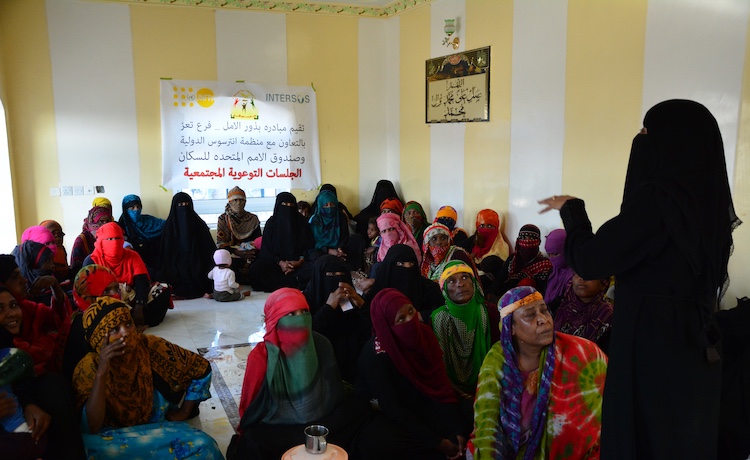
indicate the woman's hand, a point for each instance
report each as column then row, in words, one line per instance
column 447, row 448
column 183, row 413
column 554, row 202
column 286, row 266
column 43, row 283
column 249, row 254
column 38, row 421
column 107, row 352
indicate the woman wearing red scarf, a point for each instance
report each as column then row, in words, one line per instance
column 292, row 381
column 129, row 269
column 526, row 262
column 402, row 368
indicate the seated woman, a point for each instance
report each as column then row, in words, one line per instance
column 83, row 246
column 101, row 202
column 148, row 307
column 61, row 270
column 392, row 206
column 466, row 327
column 36, row 325
column 585, row 311
column 448, row 216
column 292, row 381
column 419, row 415
column 416, row 219
column 394, row 231
column 330, row 229
column 93, row 281
column 36, row 260
column 235, row 231
column 526, row 262
column 438, row 250
column 384, row 189
column 338, row 312
column 540, row 391
column 287, row 242
column 488, row 246
column 141, row 230
column 561, row 273
column 51, row 430
column 400, row 270
column 136, row 390
column 187, row 251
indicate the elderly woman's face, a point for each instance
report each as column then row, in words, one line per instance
column 10, row 313
column 460, row 287
column 533, row 324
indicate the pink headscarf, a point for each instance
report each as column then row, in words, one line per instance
column 401, row 235
column 41, row 235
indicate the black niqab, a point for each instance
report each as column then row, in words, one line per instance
column 680, row 161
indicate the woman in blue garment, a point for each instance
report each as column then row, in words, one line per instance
column 141, row 230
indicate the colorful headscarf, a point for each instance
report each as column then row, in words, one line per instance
column 102, row 202
column 392, row 204
column 561, row 272
column 90, row 283
column 418, row 222
column 434, row 258
column 325, row 222
column 30, row 257
column 400, row 235
column 411, row 346
column 527, row 261
column 96, row 217
column 139, row 226
column 493, row 243
column 62, row 271
column 513, row 384
column 151, row 364
column 463, row 331
column 287, row 361
column 588, row 320
column 41, row 235
column 124, row 263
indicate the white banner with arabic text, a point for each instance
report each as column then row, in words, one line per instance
column 221, row 134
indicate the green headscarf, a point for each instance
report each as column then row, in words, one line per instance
column 463, row 331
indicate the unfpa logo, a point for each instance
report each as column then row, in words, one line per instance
column 187, row 97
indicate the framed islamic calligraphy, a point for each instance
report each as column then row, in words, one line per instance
column 457, row 87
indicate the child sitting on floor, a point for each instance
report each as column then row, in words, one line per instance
column 226, row 289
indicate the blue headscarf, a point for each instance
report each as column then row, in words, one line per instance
column 139, row 226
column 325, row 221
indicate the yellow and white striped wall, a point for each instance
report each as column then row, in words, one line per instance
column 570, row 82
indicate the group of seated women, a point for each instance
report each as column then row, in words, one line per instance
column 405, row 362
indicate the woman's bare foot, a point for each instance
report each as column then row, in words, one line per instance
column 246, row 293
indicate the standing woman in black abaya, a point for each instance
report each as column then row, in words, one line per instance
column 668, row 248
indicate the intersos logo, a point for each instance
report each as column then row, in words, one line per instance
column 294, row 98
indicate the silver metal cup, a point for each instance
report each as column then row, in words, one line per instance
column 315, row 439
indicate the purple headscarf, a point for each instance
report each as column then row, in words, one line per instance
column 561, row 272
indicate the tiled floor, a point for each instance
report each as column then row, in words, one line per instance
column 201, row 323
